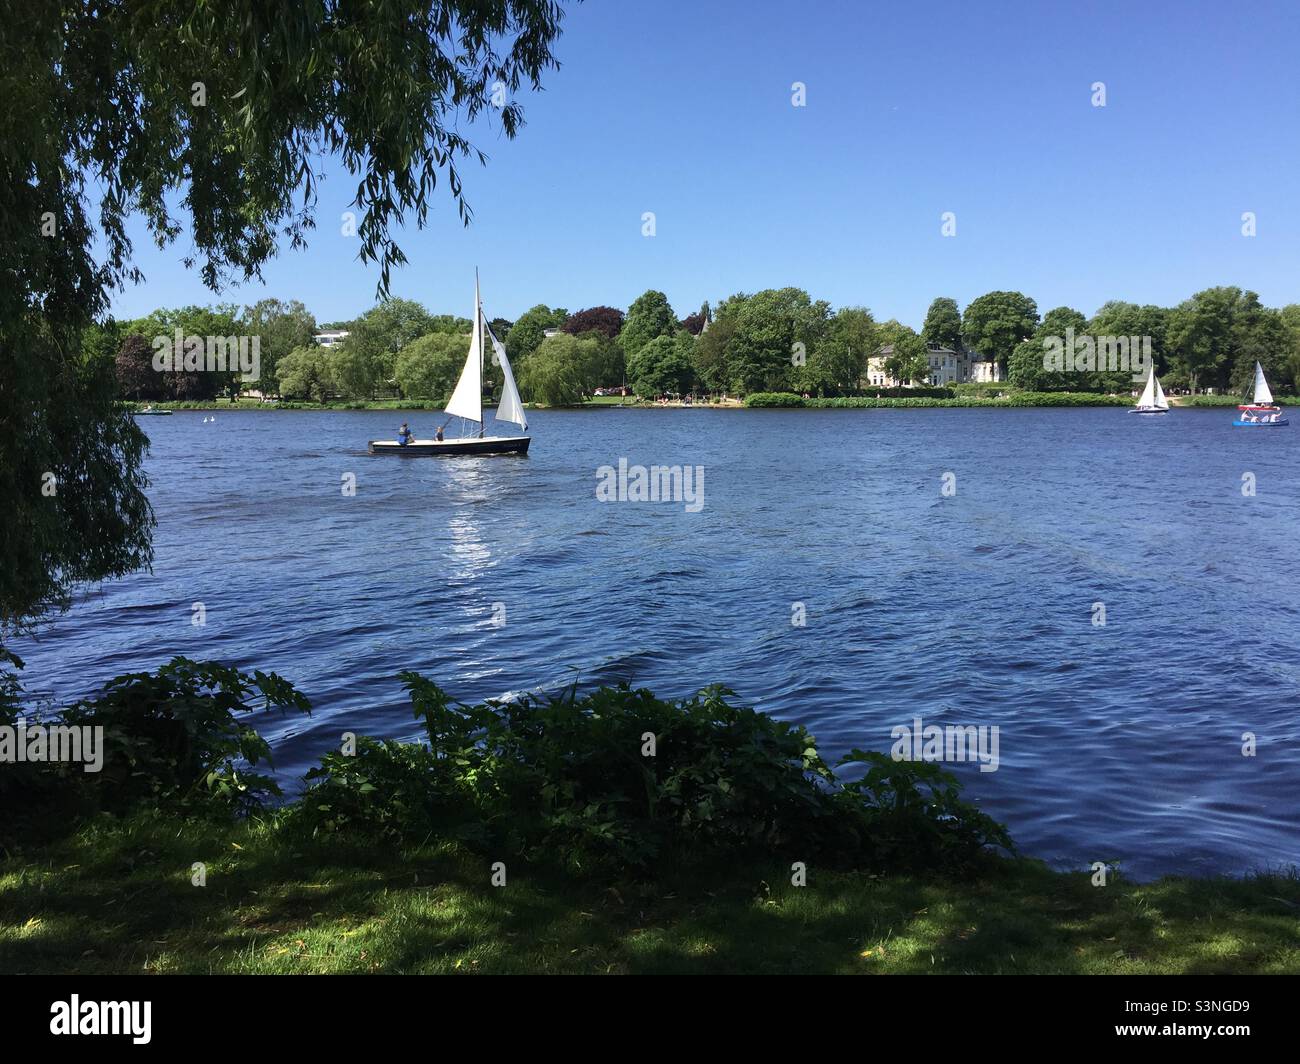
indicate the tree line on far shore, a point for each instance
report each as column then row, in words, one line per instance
column 776, row 340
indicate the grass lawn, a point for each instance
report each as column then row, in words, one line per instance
column 117, row 897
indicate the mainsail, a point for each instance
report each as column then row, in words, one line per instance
column 1147, row 400
column 467, row 400
column 1263, row 397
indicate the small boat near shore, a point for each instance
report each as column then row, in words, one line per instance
column 1152, row 400
column 1261, row 412
column 149, row 411
column 466, row 403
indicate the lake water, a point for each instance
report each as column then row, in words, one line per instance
column 1117, row 742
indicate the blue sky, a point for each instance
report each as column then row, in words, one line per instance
column 684, row 109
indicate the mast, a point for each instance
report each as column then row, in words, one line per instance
column 478, row 331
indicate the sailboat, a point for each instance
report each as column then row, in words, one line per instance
column 1262, row 411
column 466, row 403
column 1152, row 400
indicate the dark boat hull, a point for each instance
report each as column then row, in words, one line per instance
column 452, row 448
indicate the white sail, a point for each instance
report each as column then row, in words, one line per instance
column 467, row 400
column 1263, row 397
column 510, row 408
column 1148, row 398
column 1161, row 403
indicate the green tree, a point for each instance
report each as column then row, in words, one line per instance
column 527, row 334
column 429, row 367
column 906, row 360
column 774, row 329
column 103, row 117
column 662, row 366
column 650, row 316
column 373, row 343
column 212, row 325
column 307, row 373
column 1216, row 337
column 560, row 370
column 852, row 336
column 353, row 370
column 1290, row 315
column 452, row 325
column 996, row 322
column 943, row 324
column 1026, row 369
column 102, row 341
column 606, row 366
column 281, row 327
column 1259, row 334
column 1200, row 337
column 1057, row 320
column 711, row 354
column 1117, row 318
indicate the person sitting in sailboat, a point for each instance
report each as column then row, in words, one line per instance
column 404, row 435
column 438, row 434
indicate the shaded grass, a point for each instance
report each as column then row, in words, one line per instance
column 117, row 897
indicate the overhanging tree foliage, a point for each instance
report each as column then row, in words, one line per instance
column 230, row 108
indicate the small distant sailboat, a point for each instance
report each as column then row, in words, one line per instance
column 466, row 403
column 1152, row 400
column 151, row 412
column 1262, row 411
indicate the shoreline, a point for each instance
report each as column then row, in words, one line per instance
column 1023, row 400
column 754, row 401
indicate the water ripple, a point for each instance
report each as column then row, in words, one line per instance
column 497, row 577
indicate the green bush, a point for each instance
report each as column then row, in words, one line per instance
column 615, row 779
column 1066, row 399
column 10, row 686
column 762, row 399
column 569, row 779
column 172, row 738
column 906, row 393
column 987, row 389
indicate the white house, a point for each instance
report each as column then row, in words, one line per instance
column 946, row 367
column 985, row 371
column 331, row 337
